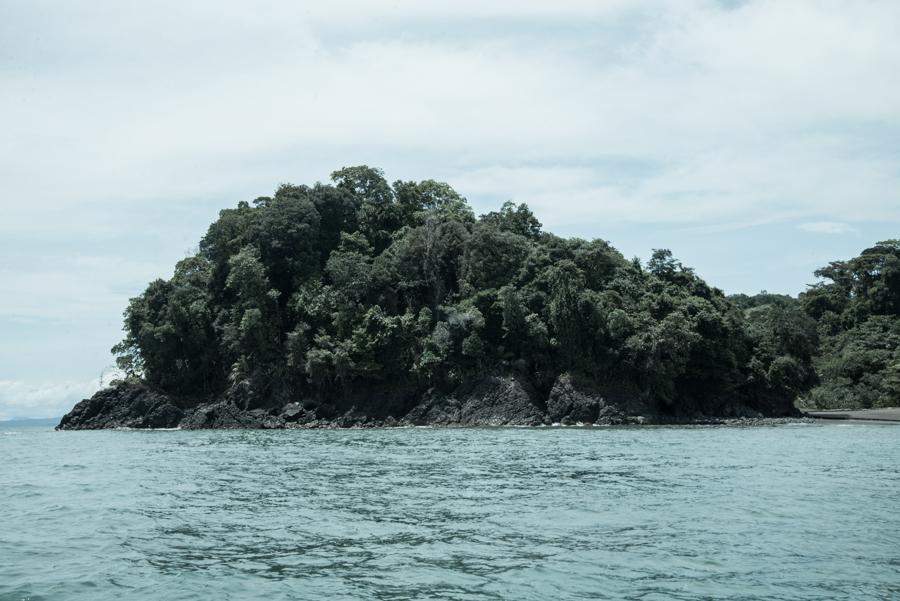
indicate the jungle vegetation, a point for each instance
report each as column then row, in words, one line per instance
column 358, row 285
column 857, row 311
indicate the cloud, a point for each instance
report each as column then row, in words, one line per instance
column 740, row 108
column 826, row 227
column 77, row 285
column 51, row 399
column 128, row 125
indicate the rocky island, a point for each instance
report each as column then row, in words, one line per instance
column 361, row 303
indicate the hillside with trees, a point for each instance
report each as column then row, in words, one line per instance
column 857, row 309
column 363, row 295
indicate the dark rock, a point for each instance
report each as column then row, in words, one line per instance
column 574, row 400
column 272, row 422
column 292, row 412
column 353, row 418
column 128, row 404
column 491, row 401
column 165, row 415
column 571, row 402
column 487, row 401
column 611, row 415
column 226, row 415
column 741, row 411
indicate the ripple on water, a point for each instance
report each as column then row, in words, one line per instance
column 543, row 513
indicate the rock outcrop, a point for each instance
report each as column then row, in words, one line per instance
column 491, row 401
column 573, row 401
column 497, row 400
column 126, row 405
column 227, row 415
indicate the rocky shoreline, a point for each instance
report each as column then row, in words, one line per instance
column 489, row 401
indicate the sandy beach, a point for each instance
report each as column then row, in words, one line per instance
column 886, row 414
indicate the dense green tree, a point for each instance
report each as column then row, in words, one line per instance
column 514, row 219
column 784, row 341
column 170, row 338
column 418, row 200
column 493, row 256
column 857, row 307
column 427, row 261
column 379, row 215
column 341, row 290
column 250, row 330
column 338, row 213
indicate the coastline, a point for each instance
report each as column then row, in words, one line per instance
column 496, row 401
column 489, row 401
column 757, row 422
column 884, row 414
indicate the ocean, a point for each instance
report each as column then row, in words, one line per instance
column 802, row 511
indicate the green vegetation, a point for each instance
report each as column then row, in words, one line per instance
column 849, row 324
column 858, row 315
column 346, row 290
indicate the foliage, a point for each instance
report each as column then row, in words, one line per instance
column 334, row 290
column 785, row 340
column 857, row 308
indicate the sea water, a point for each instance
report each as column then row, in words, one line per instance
column 774, row 512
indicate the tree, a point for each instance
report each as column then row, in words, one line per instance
column 857, row 307
column 427, row 262
column 338, row 292
column 170, row 339
column 493, row 256
column 364, row 182
column 418, row 200
column 378, row 215
column 566, row 282
column 514, row 219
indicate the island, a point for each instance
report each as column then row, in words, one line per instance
column 360, row 303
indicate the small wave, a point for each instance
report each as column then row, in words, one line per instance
column 462, row 513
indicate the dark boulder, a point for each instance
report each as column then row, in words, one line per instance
column 165, row 415
column 575, row 400
column 293, row 412
column 128, row 404
column 490, row 401
column 226, row 415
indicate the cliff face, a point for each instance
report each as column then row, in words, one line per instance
column 128, row 405
column 488, row 401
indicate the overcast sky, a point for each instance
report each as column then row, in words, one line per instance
column 757, row 140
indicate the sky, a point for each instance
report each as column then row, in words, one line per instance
column 757, row 140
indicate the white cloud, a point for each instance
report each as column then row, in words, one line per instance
column 79, row 285
column 51, row 399
column 769, row 103
column 127, row 125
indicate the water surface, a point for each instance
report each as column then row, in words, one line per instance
column 786, row 512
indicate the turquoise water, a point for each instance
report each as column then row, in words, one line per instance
column 785, row 512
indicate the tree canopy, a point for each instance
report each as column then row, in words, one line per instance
column 857, row 308
column 359, row 285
